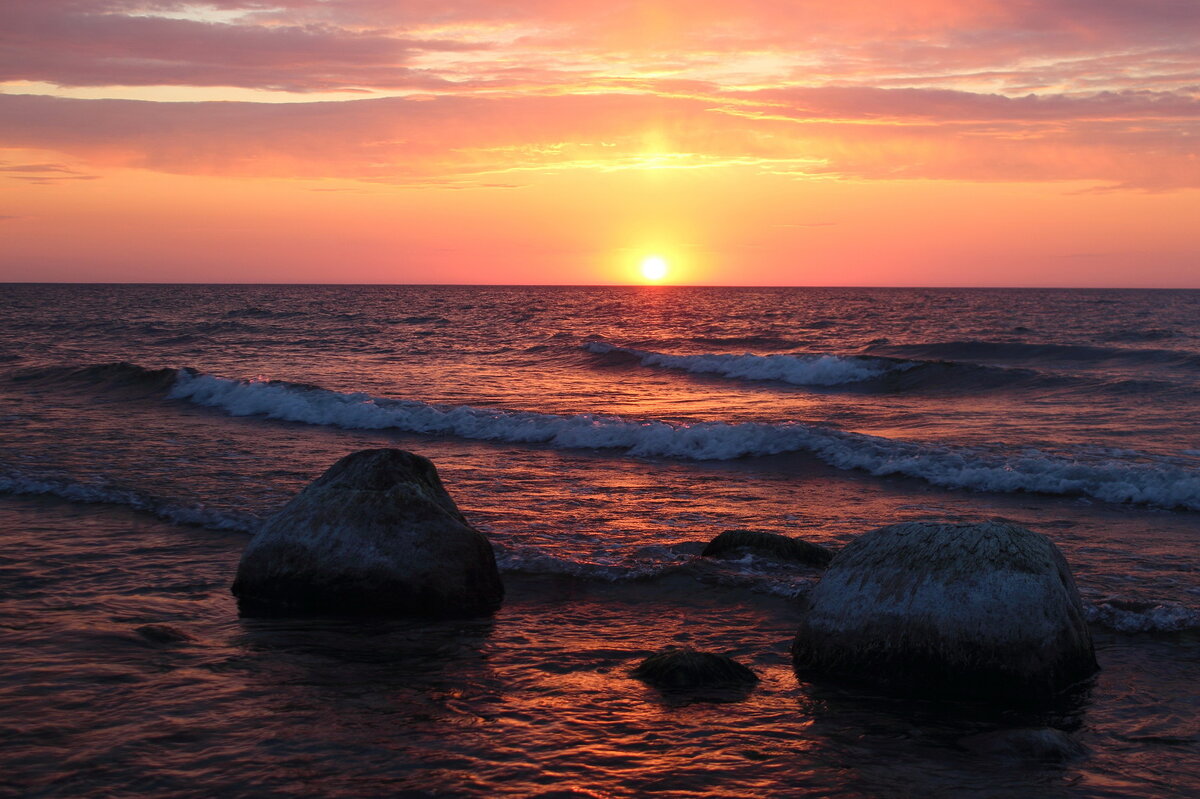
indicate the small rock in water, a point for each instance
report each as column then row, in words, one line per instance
column 162, row 634
column 683, row 668
column 376, row 535
column 1043, row 744
column 981, row 611
column 770, row 545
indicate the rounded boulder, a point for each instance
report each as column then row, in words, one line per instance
column 377, row 534
column 986, row 611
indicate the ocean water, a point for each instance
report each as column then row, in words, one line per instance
column 599, row 437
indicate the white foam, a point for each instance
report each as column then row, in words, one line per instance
column 1143, row 480
column 798, row 370
column 95, row 494
column 1141, row 617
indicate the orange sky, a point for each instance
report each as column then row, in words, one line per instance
column 933, row 142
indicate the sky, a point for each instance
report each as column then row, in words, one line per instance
column 848, row 143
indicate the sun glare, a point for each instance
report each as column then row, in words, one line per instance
column 654, row 267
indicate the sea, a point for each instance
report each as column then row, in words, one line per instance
column 599, row 437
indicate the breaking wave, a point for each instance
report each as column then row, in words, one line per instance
column 1134, row 616
column 798, row 370
column 1108, row 476
column 866, row 373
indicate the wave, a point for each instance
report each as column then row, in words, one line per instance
column 1135, row 478
column 754, row 342
column 650, row 563
column 798, row 370
column 63, row 488
column 660, row 563
column 1133, row 616
column 1141, row 334
column 255, row 312
column 525, row 559
column 104, row 376
column 1044, row 353
column 870, row 374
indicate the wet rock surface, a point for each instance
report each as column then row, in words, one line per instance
column 986, row 611
column 771, row 545
column 376, row 535
column 683, row 669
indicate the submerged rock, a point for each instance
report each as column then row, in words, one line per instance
column 973, row 610
column 681, row 669
column 377, row 534
column 1043, row 744
column 770, row 545
column 162, row 634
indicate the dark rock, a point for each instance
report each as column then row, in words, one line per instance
column 986, row 611
column 1043, row 744
column 770, row 545
column 681, row 669
column 377, row 535
column 162, row 634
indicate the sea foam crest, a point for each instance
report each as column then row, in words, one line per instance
column 1130, row 616
column 1141, row 480
column 110, row 495
column 799, row 370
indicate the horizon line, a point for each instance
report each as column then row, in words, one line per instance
column 595, row 285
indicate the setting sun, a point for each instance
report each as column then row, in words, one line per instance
column 654, row 267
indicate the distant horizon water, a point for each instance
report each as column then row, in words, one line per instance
column 645, row 284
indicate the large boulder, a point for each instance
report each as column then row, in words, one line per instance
column 377, row 534
column 986, row 611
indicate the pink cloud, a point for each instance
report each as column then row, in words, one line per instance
column 1102, row 90
column 306, row 45
column 42, row 43
column 1134, row 139
column 42, row 174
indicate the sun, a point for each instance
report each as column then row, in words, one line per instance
column 654, row 267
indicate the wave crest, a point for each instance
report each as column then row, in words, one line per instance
column 1139, row 479
column 106, row 376
column 64, row 488
column 1133, row 616
column 798, row 370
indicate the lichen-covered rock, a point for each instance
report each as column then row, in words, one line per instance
column 973, row 610
column 377, row 534
column 771, row 545
column 682, row 668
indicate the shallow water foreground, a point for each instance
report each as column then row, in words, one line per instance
column 535, row 701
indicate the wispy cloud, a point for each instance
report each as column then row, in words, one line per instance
column 43, row 174
column 1138, row 140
